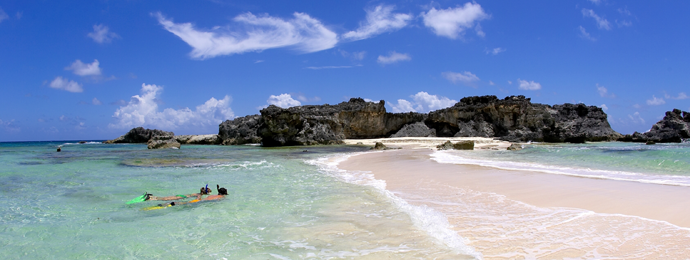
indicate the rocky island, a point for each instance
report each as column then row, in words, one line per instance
column 513, row 119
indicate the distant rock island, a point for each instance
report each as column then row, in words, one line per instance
column 513, row 119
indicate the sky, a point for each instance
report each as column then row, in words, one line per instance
column 92, row 70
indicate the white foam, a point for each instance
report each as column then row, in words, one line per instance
column 82, row 143
column 453, row 158
column 433, row 222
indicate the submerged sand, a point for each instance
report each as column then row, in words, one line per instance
column 518, row 214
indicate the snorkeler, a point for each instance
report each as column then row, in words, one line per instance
column 222, row 192
column 203, row 191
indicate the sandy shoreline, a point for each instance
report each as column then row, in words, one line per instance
column 413, row 176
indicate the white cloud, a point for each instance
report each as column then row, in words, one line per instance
column 303, row 33
column 510, row 82
column 604, row 107
column 637, row 106
column 603, row 92
column 423, row 102
column 464, row 77
column 379, row 20
column 10, row 126
column 303, row 98
column 601, row 22
column 680, row 96
column 479, row 31
column 491, row 83
column 623, row 23
column 585, row 35
column 624, row 11
column 636, row 118
column 495, row 51
column 87, row 69
column 655, row 101
column 142, row 110
column 393, row 58
column 452, row 22
column 101, row 34
column 529, row 85
column 3, row 15
column 359, row 55
column 65, row 84
column 283, row 100
column 596, row 2
column 96, row 102
column 259, row 61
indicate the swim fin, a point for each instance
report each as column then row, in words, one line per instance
column 141, row 198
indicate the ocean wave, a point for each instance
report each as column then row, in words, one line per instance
column 82, row 143
column 450, row 157
column 433, row 222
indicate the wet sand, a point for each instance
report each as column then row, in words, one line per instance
column 516, row 214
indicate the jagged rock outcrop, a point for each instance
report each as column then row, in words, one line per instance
column 461, row 145
column 515, row 147
column 163, row 142
column 418, row 129
column 330, row 124
column 515, row 118
column 241, row 130
column 198, row 139
column 673, row 128
column 139, row 135
column 379, row 146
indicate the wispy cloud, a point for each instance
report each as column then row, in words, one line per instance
column 452, row 22
column 655, row 101
column 142, row 110
column 603, row 92
column 596, row 2
column 357, row 55
column 380, row 19
column 422, row 102
column 528, row 85
column 65, row 84
column 636, row 118
column 102, row 34
column 82, row 69
column 3, row 15
column 585, row 35
column 302, row 33
column 464, row 77
column 393, row 57
column 680, row 96
column 495, row 51
column 604, row 107
column 601, row 22
column 96, row 102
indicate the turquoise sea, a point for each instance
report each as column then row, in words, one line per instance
column 283, row 203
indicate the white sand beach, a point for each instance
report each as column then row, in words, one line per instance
column 519, row 214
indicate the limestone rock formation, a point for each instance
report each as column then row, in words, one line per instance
column 461, row 145
column 139, row 135
column 330, row 124
column 379, row 146
column 515, row 118
column 515, row 147
column 673, row 128
column 163, row 142
column 198, row 139
column 241, row 130
column 418, row 129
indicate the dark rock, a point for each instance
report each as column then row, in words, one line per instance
column 515, row 147
column 241, row 130
column 139, row 135
column 445, row 146
column 515, row 118
column 380, row 146
column 418, row 129
column 673, row 128
column 330, row 124
column 464, row 145
column 163, row 142
column 59, row 149
column 650, row 142
column 198, row 139
column 82, row 142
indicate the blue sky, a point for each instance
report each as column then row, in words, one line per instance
column 85, row 70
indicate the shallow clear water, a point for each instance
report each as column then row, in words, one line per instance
column 660, row 163
column 283, row 203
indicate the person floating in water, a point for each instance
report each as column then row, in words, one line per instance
column 203, row 191
column 222, row 192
